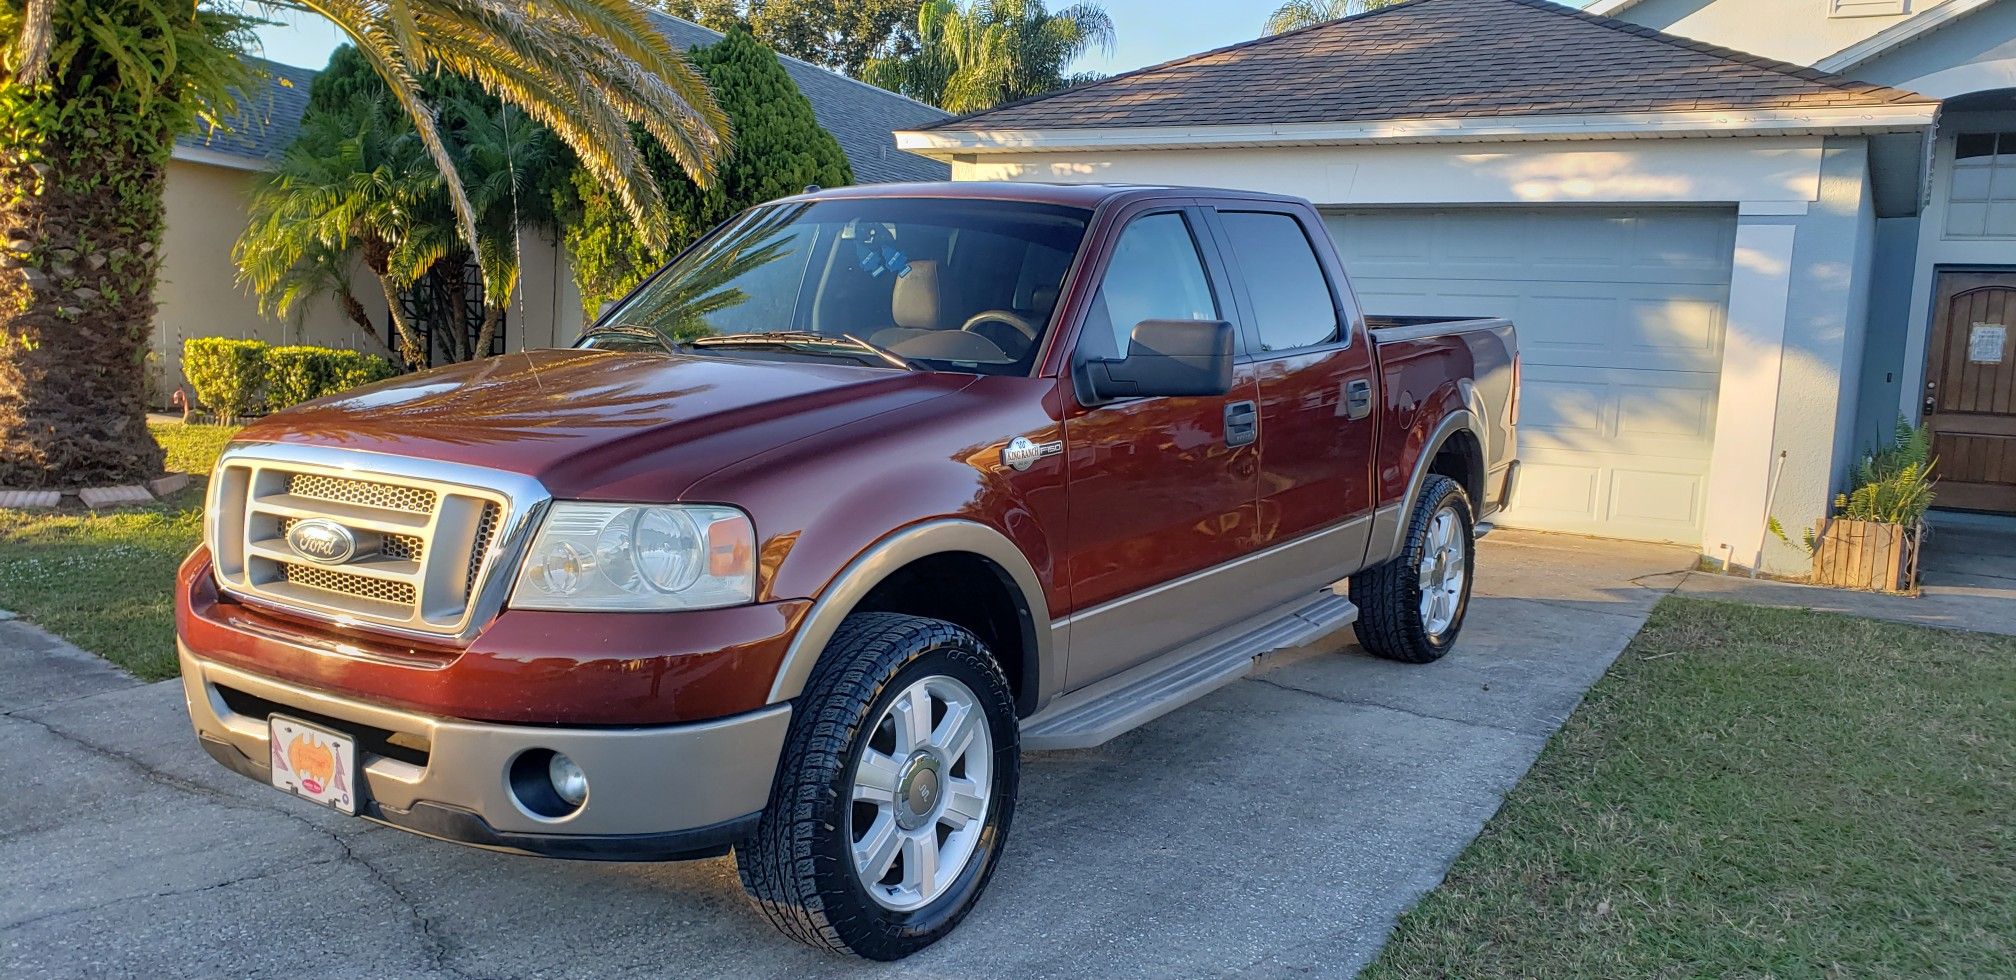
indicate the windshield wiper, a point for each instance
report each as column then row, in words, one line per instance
column 791, row 338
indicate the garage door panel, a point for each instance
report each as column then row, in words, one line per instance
column 1674, row 327
column 1658, row 413
column 1621, row 316
column 1649, row 245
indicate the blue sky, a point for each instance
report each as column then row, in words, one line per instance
column 1148, row 32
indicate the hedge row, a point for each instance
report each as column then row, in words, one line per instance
column 235, row 378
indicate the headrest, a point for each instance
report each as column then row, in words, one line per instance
column 918, row 300
column 1043, row 300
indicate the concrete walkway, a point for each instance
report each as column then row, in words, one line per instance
column 1968, row 578
column 1278, row 826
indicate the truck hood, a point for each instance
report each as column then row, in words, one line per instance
column 601, row 424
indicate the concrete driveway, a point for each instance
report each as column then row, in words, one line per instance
column 1279, row 825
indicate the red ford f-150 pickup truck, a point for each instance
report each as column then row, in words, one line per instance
column 866, row 492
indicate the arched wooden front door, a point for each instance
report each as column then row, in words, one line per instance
column 1970, row 391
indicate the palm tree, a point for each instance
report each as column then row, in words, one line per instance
column 95, row 93
column 352, row 184
column 1306, row 13
column 993, row 51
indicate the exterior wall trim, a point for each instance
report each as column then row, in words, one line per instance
column 943, row 145
column 1896, row 34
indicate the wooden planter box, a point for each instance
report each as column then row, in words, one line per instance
column 1868, row 556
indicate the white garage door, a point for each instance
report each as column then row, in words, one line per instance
column 1620, row 316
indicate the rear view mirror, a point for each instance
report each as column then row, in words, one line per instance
column 1166, row 358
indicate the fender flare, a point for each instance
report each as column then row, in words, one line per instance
column 1392, row 522
column 883, row 559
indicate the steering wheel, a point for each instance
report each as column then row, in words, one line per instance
column 1009, row 317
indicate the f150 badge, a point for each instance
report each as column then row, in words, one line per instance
column 322, row 542
column 1021, row 453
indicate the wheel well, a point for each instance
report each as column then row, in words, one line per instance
column 1461, row 458
column 976, row 594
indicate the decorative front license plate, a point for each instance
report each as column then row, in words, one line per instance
column 314, row 763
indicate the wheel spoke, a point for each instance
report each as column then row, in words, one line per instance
column 877, row 850
column 912, row 714
column 964, row 804
column 920, row 861
column 875, row 778
column 955, row 734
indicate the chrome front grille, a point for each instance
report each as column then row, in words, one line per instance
column 343, row 583
column 386, row 496
column 429, row 538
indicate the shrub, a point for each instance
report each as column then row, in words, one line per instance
column 298, row 374
column 233, row 378
column 228, row 375
column 1893, row 485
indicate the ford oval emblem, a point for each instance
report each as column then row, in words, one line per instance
column 322, row 542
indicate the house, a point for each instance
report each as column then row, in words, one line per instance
column 1727, row 267
column 211, row 174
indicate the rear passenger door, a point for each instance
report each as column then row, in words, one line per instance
column 1161, row 488
column 1313, row 363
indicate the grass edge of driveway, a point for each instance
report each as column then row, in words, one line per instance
column 1751, row 791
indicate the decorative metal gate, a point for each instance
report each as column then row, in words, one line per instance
column 446, row 309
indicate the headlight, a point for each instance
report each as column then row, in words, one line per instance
column 635, row 557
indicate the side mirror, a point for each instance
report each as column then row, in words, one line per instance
column 1166, row 358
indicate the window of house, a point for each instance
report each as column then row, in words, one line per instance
column 1982, row 200
column 1867, row 8
column 1292, row 305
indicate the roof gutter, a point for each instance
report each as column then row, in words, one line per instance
column 1608, row 8
column 1900, row 117
column 215, row 158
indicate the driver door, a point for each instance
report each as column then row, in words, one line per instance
column 1161, row 489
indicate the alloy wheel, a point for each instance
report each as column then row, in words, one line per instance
column 920, row 793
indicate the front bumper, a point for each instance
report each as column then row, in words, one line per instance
column 655, row 793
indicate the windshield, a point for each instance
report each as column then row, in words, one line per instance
column 931, row 283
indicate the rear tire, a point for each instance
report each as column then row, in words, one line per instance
column 868, row 814
column 1411, row 608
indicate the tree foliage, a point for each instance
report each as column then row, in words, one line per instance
column 843, row 35
column 356, row 185
column 780, row 148
column 1296, row 14
column 92, row 98
column 95, row 92
column 988, row 52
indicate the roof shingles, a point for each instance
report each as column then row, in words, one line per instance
column 1436, row 59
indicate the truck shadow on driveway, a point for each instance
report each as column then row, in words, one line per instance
column 1281, row 823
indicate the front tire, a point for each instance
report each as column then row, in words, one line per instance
column 1411, row 608
column 895, row 792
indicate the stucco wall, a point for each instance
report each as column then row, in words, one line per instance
column 1973, row 54
column 1798, row 31
column 1936, row 249
column 199, row 295
column 1721, row 171
column 1890, row 315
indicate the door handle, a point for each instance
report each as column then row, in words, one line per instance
column 1242, row 423
column 1358, row 398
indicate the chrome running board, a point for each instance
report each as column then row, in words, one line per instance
column 1134, row 697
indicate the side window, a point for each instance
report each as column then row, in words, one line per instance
column 1291, row 297
column 1156, row 273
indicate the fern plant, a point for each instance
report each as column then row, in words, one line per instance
column 1893, row 484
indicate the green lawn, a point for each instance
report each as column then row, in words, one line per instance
column 102, row 581
column 1752, row 792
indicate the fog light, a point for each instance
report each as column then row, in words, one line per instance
column 568, row 780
